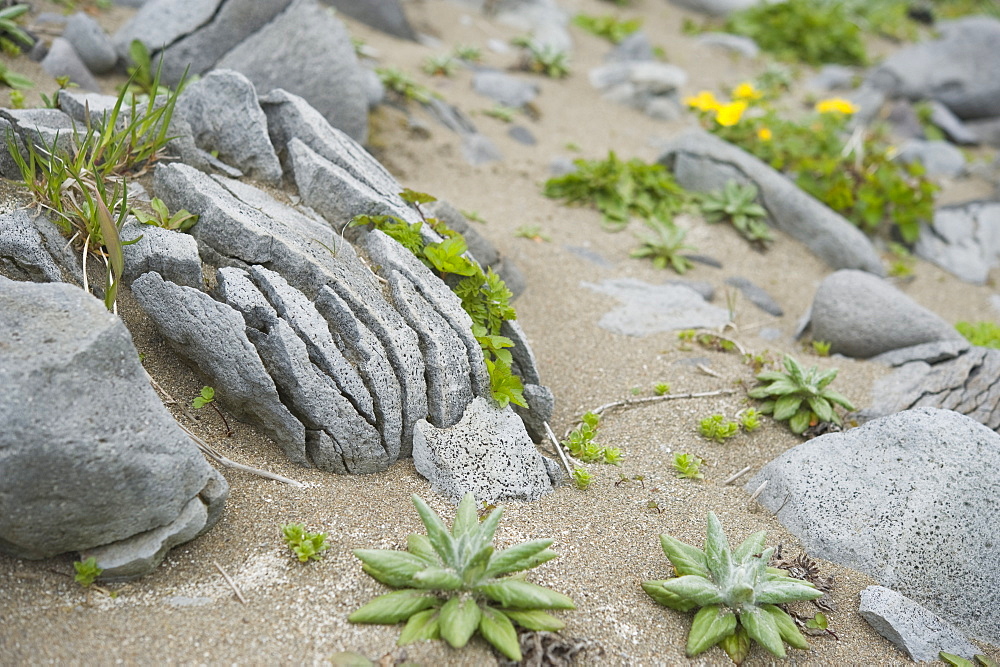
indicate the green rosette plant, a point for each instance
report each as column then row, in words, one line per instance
column 454, row 584
column 802, row 397
column 735, row 592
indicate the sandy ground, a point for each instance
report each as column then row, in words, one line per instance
column 606, row 536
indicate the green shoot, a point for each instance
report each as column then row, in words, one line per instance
column 718, row 428
column 688, row 466
column 580, row 443
column 305, row 545
column 87, row 571
column 180, row 221
column 582, row 478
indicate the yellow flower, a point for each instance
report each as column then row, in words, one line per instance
column 764, row 134
column 836, row 105
column 728, row 115
column 703, row 101
column 746, row 91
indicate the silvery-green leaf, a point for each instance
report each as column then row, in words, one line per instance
column 466, row 518
column 349, row 659
column 766, row 408
column 421, row 547
column 800, row 422
column 497, row 629
column 782, row 387
column 534, row 619
column 459, row 619
column 838, row 398
column 786, row 406
column 667, row 597
column 715, row 541
column 437, row 532
column 761, row 628
column 394, row 607
column 825, row 378
column 750, row 546
column 685, row 558
column 794, row 370
column 736, row 645
column 488, row 527
column 698, row 590
column 437, row 578
column 779, row 591
column 711, row 624
column 393, row 568
column 523, row 556
column 422, row 625
column 822, row 408
column 771, row 376
column 519, row 594
column 475, row 569
column 786, row 627
column 955, row 660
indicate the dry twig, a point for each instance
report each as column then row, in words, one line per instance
column 232, row 584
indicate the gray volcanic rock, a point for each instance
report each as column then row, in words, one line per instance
column 702, row 162
column 225, row 116
column 162, row 22
column 968, row 383
column 959, row 69
column 85, row 468
column 503, row 88
column 319, row 64
column 22, row 251
column 385, row 15
column 963, row 240
column 939, row 158
column 908, row 499
column 647, row 309
column 43, row 128
column 91, row 43
column 172, row 254
column 716, row 7
column 861, row 315
column 487, row 453
column 915, row 630
column 756, row 295
column 62, row 60
column 211, row 337
column 652, row 87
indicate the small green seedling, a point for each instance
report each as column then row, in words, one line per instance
column 800, row 397
column 16, row 98
column 473, row 216
column 718, row 428
column 607, row 27
column 688, row 466
column 663, row 243
column 545, row 60
column 582, row 478
column 983, row 334
column 470, row 54
column 403, row 85
column 818, row 622
column 439, row 65
column 454, row 584
column 532, row 233
column 501, row 112
column 661, row 388
column 737, row 204
column 821, row 348
column 580, row 443
column 87, row 571
column 749, row 419
column 901, row 261
column 180, row 221
column 207, row 397
column 305, row 545
column 735, row 592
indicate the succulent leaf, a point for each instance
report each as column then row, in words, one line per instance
column 466, row 518
column 437, row 532
column 799, row 422
column 736, row 645
column 715, row 540
column 779, row 590
column 459, row 619
column 437, row 578
column 685, row 558
column 519, row 557
column 786, row 406
column 395, row 607
column 424, row 624
column 750, row 546
column 822, row 408
column 666, row 596
column 786, row 627
column 497, row 629
column 534, row 619
column 838, row 398
column 519, row 594
column 762, row 628
column 393, row 568
column 698, row 590
column 711, row 624
column 421, row 547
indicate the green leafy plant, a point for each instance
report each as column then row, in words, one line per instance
column 984, row 334
column 735, row 592
column 800, row 397
column 718, row 428
column 144, row 79
column 749, row 419
column 12, row 79
column 305, row 545
column 807, row 31
column 582, row 478
column 958, row 661
column 901, row 261
column 608, row 27
column 207, row 397
column 661, row 388
column 87, row 571
column 454, row 583
column 662, row 243
column 821, row 348
column 484, row 295
column 13, row 38
column 545, row 60
column 688, row 466
column 619, row 190
column 439, row 65
column 737, row 204
column 16, row 98
column 470, row 54
column 52, row 102
column 532, row 233
column 403, row 85
column 181, row 221
column 580, row 443
column 501, row 112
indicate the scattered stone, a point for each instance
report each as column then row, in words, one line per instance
column 211, row 337
column 172, row 254
column 634, row 48
column 541, row 404
column 545, row 20
column 225, row 116
column 487, row 453
column 958, row 69
column 861, row 316
column 738, row 44
column 118, row 448
column 915, row 630
column 986, row 131
column 902, row 499
column 504, row 88
column 46, row 129
column 939, row 158
column 833, row 77
column 905, row 122
column 385, row 15
column 931, row 353
column 964, row 240
column 647, row 309
column 62, row 60
column 757, row 296
column 951, row 125
column 478, row 149
column 319, row 64
column 702, row 162
column 715, row 7
column 91, row 43
column 651, row 87
column 23, row 254
column 522, row 135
